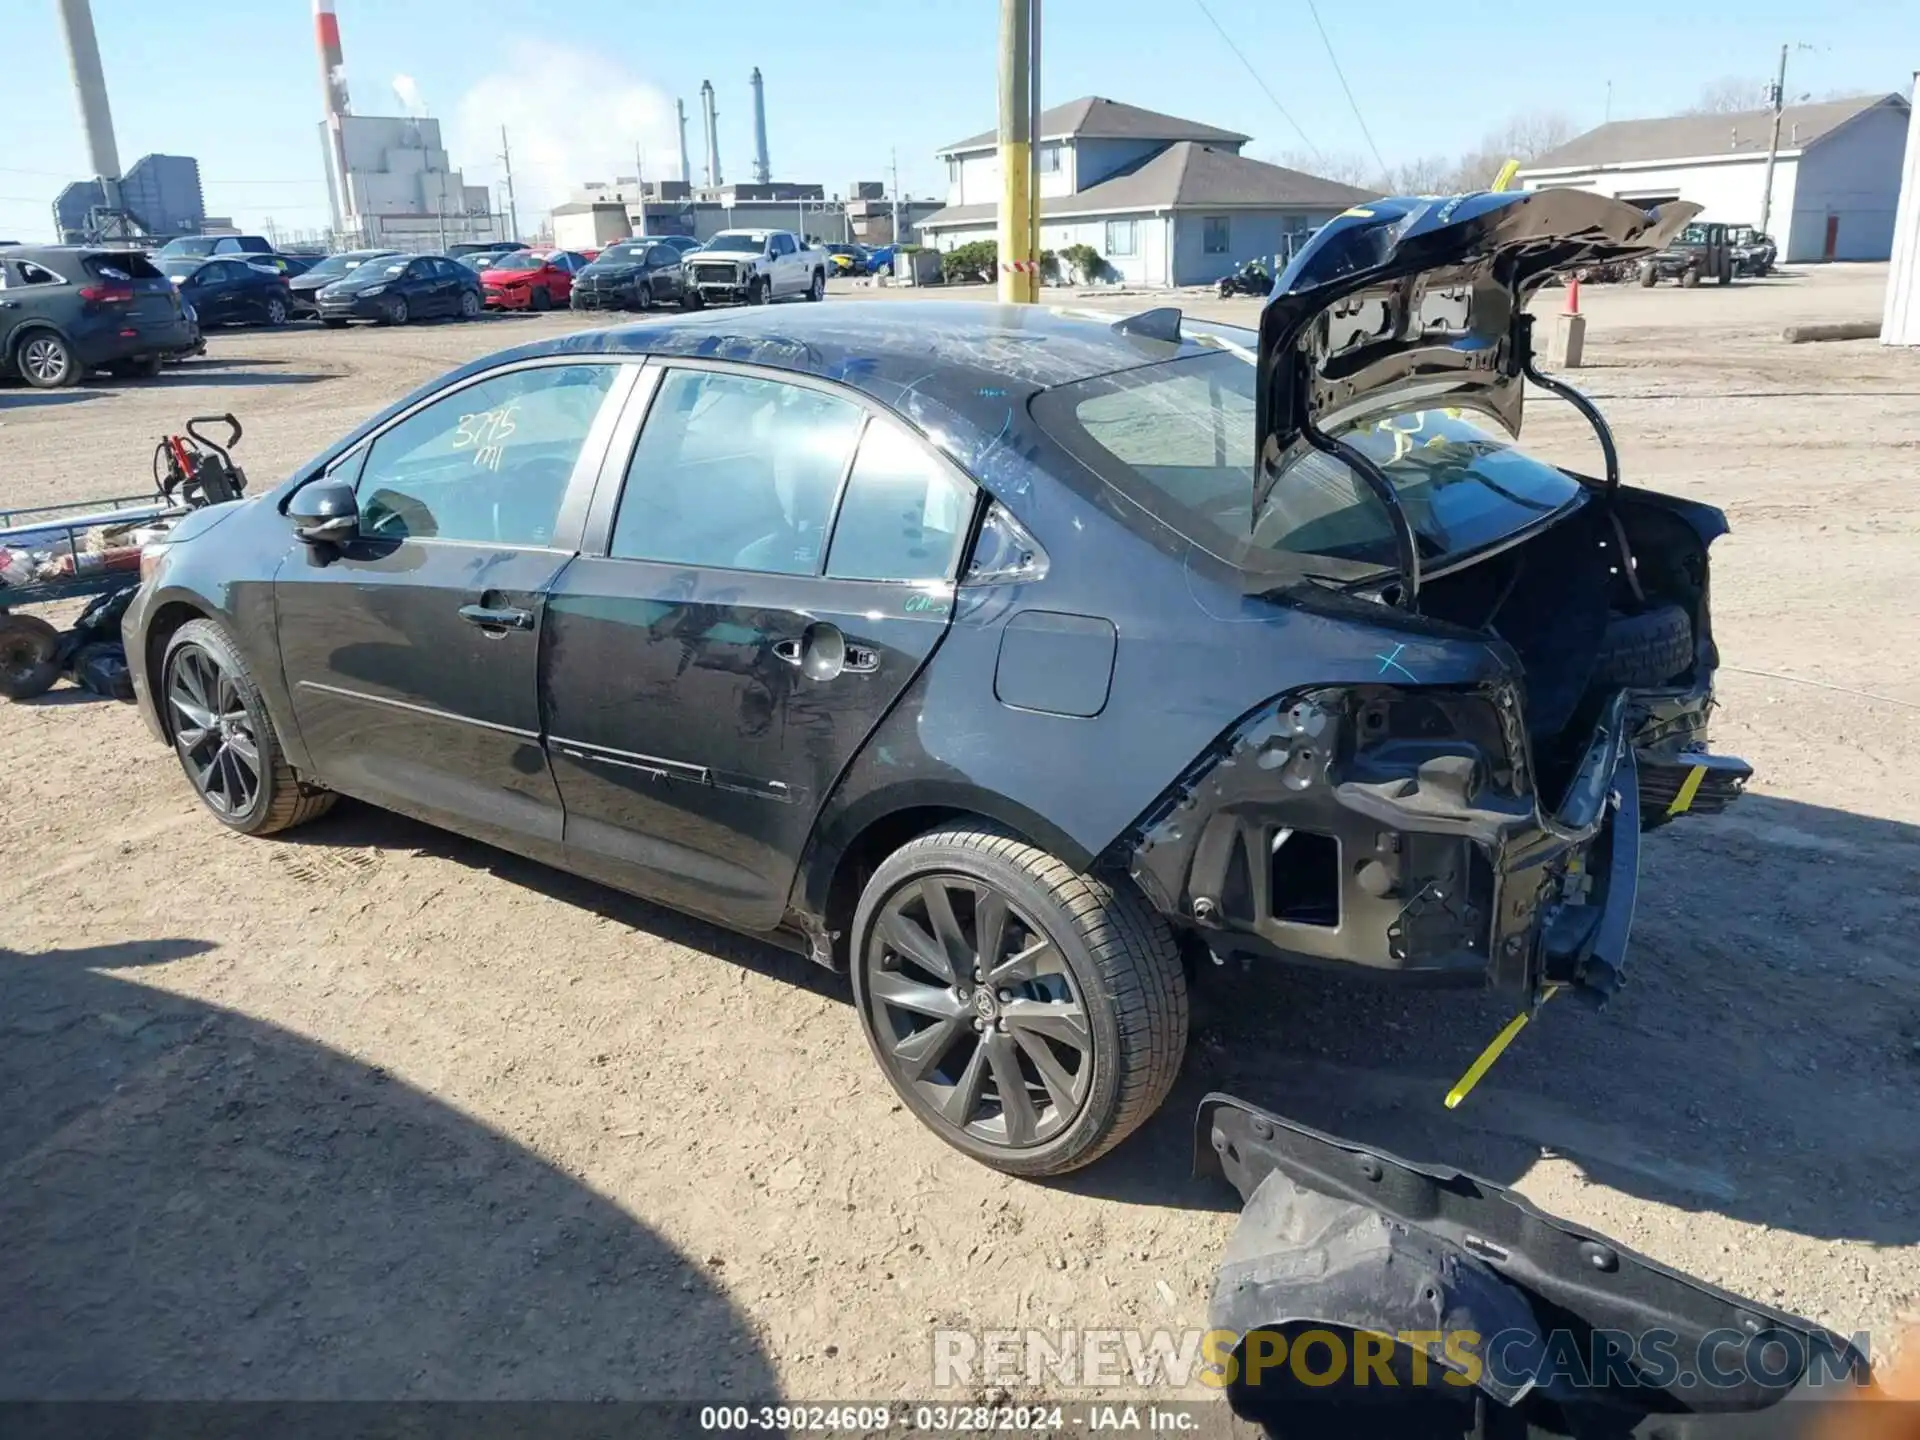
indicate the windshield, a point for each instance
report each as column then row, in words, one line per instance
column 1694, row 235
column 340, row 264
column 374, row 268
column 201, row 245
column 1177, row 438
column 623, row 254
column 737, row 244
column 522, row 261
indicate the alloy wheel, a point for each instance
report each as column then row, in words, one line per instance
column 276, row 311
column 45, row 359
column 977, row 1013
column 213, row 732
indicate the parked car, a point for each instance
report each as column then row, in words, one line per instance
column 526, row 281
column 989, row 664
column 756, row 267
column 68, row 309
column 631, row 275
column 485, row 247
column 401, row 288
column 685, row 244
column 228, row 290
column 202, row 247
column 880, row 260
column 286, row 266
column 1754, row 251
column 846, row 259
column 479, row 260
column 306, row 287
column 1698, row 252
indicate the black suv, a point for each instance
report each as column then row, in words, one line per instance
column 1006, row 658
column 68, row 309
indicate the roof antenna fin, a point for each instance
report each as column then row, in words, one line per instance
column 1159, row 324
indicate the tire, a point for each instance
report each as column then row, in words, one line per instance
column 469, row 305
column 817, row 291
column 276, row 311
column 759, row 291
column 1650, row 648
column 29, row 650
column 1726, row 274
column 45, row 360
column 332, row 324
column 1690, row 278
column 1118, row 975
column 1649, row 277
column 395, row 312
column 541, row 299
column 280, row 800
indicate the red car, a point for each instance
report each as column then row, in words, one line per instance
column 526, row 281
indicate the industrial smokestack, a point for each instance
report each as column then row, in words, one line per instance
column 713, row 133
column 762, row 171
column 686, row 170
column 333, row 90
column 90, row 84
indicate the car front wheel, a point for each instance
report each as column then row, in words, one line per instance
column 1032, row 1016
column 818, row 290
column 469, row 305
column 395, row 312
column 276, row 311
column 224, row 738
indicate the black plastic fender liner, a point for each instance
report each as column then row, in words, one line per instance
column 1357, row 1239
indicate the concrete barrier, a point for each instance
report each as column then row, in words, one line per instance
column 1842, row 330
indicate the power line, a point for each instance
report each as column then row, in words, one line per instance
column 1378, row 159
column 1257, row 80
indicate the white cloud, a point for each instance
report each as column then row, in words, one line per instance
column 571, row 116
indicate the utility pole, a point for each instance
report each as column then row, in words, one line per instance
column 1607, row 119
column 1773, row 145
column 1033, row 150
column 893, row 159
column 513, row 211
column 1015, row 144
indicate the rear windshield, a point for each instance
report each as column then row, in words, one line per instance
column 120, row 265
column 1177, row 438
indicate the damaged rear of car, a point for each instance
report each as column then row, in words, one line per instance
column 1542, row 650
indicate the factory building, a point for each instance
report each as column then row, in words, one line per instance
column 160, row 193
column 1836, row 175
column 389, row 180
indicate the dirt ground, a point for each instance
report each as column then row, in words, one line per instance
column 371, row 1111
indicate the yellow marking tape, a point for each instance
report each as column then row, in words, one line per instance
column 1689, row 788
column 1505, row 177
column 1493, row 1051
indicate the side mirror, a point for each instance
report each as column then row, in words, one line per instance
column 325, row 513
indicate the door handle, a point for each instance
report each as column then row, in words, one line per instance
column 497, row 617
column 861, row 660
column 787, row 650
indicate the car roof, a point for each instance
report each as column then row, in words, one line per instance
column 883, row 346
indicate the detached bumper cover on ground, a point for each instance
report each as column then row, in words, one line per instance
column 1473, row 1302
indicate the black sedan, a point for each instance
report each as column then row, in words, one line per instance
column 231, row 290
column 631, row 275
column 307, row 285
column 401, row 288
column 966, row 648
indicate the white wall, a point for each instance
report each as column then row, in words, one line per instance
column 1251, row 235
column 1853, row 175
column 1729, row 189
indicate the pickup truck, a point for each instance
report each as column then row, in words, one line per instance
column 756, row 266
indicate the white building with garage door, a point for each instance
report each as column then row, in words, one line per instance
column 1836, row 178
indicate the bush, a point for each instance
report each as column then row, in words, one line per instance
column 1085, row 263
column 1049, row 267
column 976, row 261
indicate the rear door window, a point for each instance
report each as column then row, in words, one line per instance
column 488, row 464
column 904, row 515
column 735, row 472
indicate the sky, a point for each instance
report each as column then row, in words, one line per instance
column 582, row 84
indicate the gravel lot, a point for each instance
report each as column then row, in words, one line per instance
column 371, row 1111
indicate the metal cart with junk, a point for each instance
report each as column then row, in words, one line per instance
column 92, row 551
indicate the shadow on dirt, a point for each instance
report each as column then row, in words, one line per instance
column 23, row 397
column 1762, row 1063
column 194, row 1204
column 180, row 377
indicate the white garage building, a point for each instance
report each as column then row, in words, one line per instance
column 1836, row 182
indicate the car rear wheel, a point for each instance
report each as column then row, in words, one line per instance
column 29, row 650
column 1648, row 275
column 1031, row 1016
column 276, row 311
column 469, row 305
column 224, row 738
column 46, row 361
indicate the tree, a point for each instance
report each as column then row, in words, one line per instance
column 1346, row 167
column 1731, row 95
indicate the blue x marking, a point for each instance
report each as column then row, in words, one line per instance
column 1391, row 661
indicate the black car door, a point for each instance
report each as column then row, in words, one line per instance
column 210, row 291
column 711, row 666
column 411, row 653
column 663, row 272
